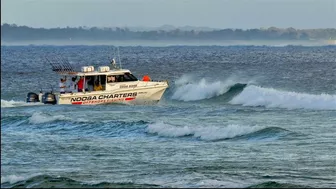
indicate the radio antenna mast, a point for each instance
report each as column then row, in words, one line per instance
column 119, row 57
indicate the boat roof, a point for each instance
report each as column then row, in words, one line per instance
column 111, row 72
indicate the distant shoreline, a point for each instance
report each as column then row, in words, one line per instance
column 162, row 43
column 13, row 34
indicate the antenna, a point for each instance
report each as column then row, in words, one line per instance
column 119, row 57
column 52, row 89
column 39, row 83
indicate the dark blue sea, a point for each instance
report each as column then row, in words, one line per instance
column 233, row 116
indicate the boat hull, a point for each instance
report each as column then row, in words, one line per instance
column 148, row 95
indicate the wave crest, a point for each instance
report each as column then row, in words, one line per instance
column 272, row 98
column 216, row 133
column 46, row 181
column 13, row 103
column 12, row 179
column 187, row 89
column 38, row 118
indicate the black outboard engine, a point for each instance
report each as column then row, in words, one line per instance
column 49, row 98
column 32, row 97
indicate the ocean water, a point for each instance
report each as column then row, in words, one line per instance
column 233, row 116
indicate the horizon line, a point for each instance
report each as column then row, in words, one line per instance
column 157, row 27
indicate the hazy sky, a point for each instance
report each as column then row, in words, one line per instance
column 153, row 13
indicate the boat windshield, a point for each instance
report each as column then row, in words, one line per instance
column 121, row 78
column 129, row 77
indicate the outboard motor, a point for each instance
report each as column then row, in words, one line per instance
column 49, row 98
column 32, row 97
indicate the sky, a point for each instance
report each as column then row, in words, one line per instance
column 243, row 14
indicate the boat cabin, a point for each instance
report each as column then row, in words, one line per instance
column 104, row 77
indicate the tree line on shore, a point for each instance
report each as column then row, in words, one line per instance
column 12, row 32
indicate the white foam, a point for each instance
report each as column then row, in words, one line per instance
column 11, row 179
column 39, row 117
column 204, row 133
column 12, row 103
column 163, row 129
column 230, row 131
column 14, row 178
column 188, row 91
column 185, row 79
column 219, row 183
column 271, row 98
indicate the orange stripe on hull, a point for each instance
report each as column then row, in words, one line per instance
column 77, row 102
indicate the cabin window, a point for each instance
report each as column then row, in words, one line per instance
column 121, row 78
column 102, row 79
column 111, row 78
column 89, row 81
column 92, row 82
column 129, row 77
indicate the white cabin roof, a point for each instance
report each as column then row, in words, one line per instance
column 111, row 72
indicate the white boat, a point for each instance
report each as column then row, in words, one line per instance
column 118, row 86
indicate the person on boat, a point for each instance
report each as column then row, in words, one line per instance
column 89, row 83
column 80, row 84
column 113, row 62
column 62, row 86
column 110, row 79
column 72, row 85
column 146, row 78
column 98, row 86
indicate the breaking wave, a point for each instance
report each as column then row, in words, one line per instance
column 47, row 181
column 69, row 125
column 12, row 103
column 192, row 91
column 38, row 118
column 272, row 98
column 10, row 179
column 217, row 133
